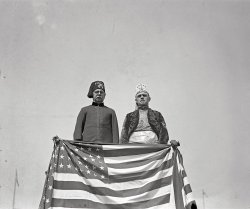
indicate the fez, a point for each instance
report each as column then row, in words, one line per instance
column 95, row 85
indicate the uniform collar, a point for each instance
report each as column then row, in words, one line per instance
column 98, row 104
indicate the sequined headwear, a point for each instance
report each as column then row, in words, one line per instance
column 141, row 88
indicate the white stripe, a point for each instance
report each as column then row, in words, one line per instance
column 149, row 166
column 68, row 208
column 172, row 198
column 65, row 208
column 105, row 199
column 189, row 197
column 184, row 199
column 133, row 158
column 131, row 146
column 113, row 186
column 185, row 181
column 163, row 206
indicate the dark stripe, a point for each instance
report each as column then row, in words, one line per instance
column 64, row 185
column 140, row 175
column 84, row 203
column 130, row 164
column 134, row 150
column 187, row 189
column 183, row 173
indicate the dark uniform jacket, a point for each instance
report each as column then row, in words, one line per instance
column 156, row 121
column 97, row 124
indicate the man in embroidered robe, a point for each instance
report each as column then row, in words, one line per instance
column 145, row 125
column 97, row 123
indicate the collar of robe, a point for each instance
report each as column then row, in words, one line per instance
column 142, row 107
column 98, row 104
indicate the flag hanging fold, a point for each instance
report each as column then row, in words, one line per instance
column 117, row 176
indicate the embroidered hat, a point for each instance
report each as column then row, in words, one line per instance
column 95, row 85
column 141, row 88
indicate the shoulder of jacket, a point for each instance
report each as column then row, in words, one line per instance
column 110, row 109
column 131, row 113
column 86, row 108
column 155, row 112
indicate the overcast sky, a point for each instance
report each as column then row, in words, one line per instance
column 194, row 57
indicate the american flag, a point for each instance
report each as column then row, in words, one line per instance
column 117, row 176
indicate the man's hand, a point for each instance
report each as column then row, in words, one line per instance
column 56, row 139
column 174, row 144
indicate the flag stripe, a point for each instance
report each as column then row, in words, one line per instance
column 183, row 173
column 79, row 194
column 135, row 163
column 133, row 157
column 139, row 175
column 163, row 206
column 114, row 186
column 189, row 199
column 185, row 181
column 187, row 189
column 120, row 147
column 85, row 203
column 140, row 167
column 110, row 192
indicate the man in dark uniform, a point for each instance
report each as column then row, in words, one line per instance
column 145, row 125
column 97, row 123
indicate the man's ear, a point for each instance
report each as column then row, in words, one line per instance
column 149, row 98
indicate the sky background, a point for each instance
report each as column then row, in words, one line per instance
column 194, row 57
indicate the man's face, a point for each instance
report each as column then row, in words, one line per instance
column 142, row 99
column 99, row 96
